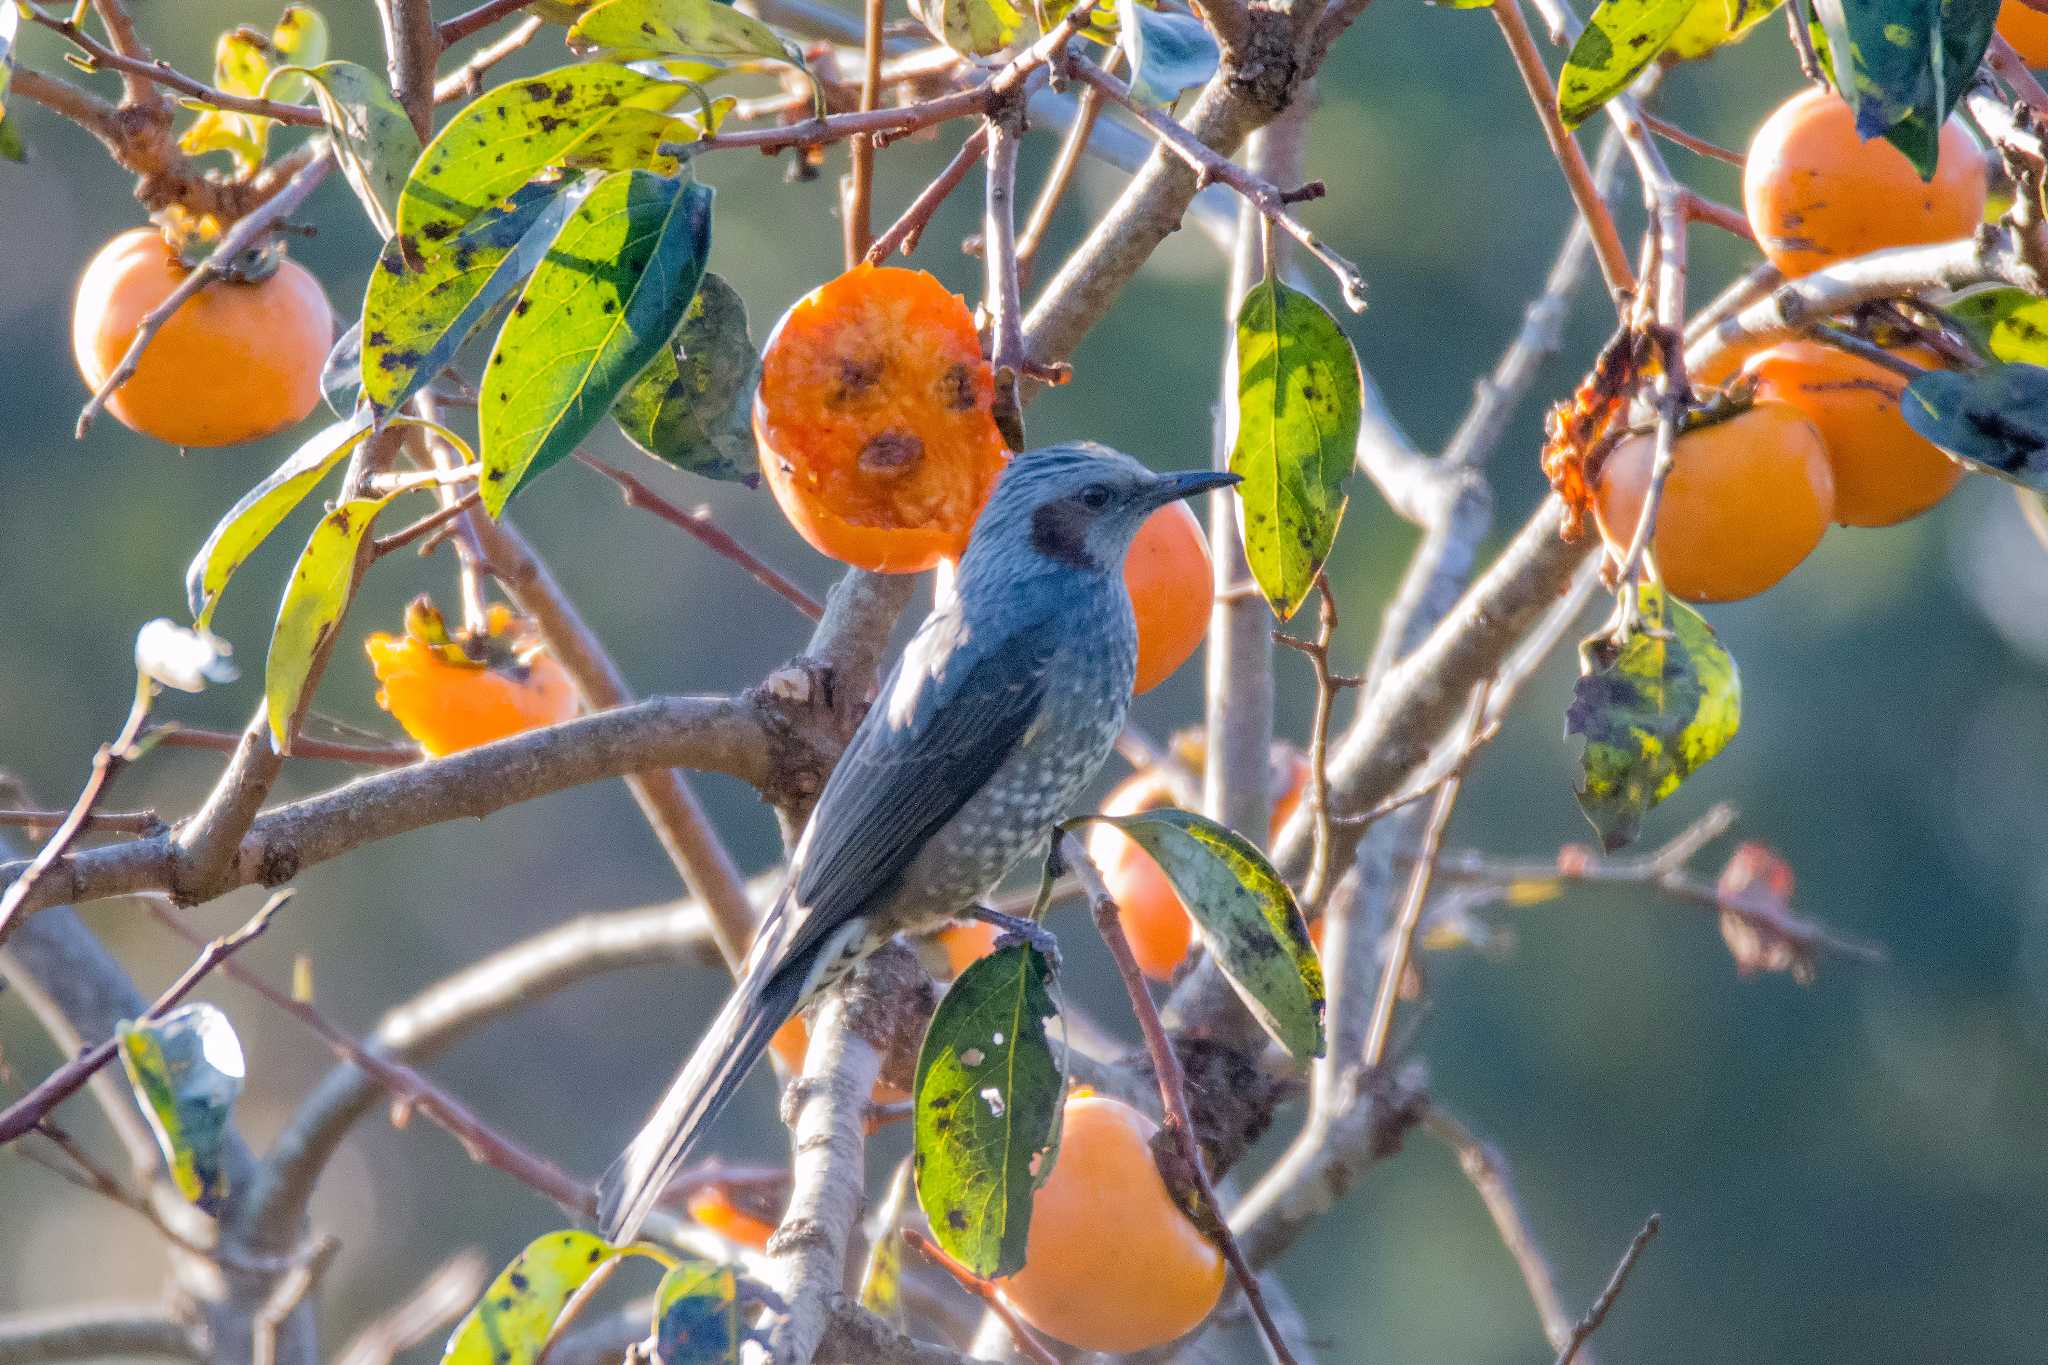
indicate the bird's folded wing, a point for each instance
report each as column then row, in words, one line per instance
column 933, row 740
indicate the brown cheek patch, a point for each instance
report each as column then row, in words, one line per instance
column 1059, row 531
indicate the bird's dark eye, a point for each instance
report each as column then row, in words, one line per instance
column 1095, row 497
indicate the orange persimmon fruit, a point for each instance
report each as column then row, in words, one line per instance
column 874, row 419
column 237, row 361
column 456, row 692
column 1748, row 498
column 1172, row 588
column 2026, row 28
column 1816, row 192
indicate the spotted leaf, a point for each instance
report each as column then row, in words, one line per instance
column 187, row 1070
column 1995, row 418
column 374, row 140
column 987, row 1101
column 321, row 585
column 510, row 1324
column 693, row 406
column 697, row 1316
column 1619, row 40
column 1909, row 62
column 1652, row 708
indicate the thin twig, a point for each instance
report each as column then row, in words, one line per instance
column 701, row 525
column 1597, row 1314
column 410, row 1090
column 106, row 764
column 1072, row 149
column 476, row 20
column 162, row 73
column 1692, row 142
column 1210, row 167
column 859, row 201
column 1028, row 1344
column 172, row 736
column 432, row 521
column 999, row 258
column 106, row 822
column 1173, row 1096
column 903, row 235
column 441, row 1298
column 466, row 80
column 1316, row 886
column 26, row 1112
column 233, row 243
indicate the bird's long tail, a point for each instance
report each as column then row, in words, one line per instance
column 761, row 1003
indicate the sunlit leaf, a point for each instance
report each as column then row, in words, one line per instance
column 881, row 1278
column 987, row 1103
column 601, row 306
column 975, row 28
column 321, row 585
column 1620, row 38
column 259, row 511
column 1714, row 24
column 1995, row 418
column 418, row 312
column 299, row 41
column 681, row 28
column 1298, row 406
column 374, row 141
column 187, row 1070
column 1247, row 919
column 2009, row 324
column 11, row 145
column 218, row 130
column 1167, row 52
column 697, row 1316
column 596, row 115
column 511, row 1322
column 1652, row 711
column 693, row 405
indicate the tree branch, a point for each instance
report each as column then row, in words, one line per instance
column 93, row 1331
column 1597, row 1314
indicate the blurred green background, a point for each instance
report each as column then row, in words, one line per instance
column 1854, row 1170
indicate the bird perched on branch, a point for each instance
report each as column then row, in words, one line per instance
column 1000, row 712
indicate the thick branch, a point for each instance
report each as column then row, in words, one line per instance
column 95, row 1331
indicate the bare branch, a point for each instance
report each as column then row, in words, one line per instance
column 905, row 233
column 1028, row 1344
column 393, row 755
column 412, row 46
column 94, row 1331
column 466, row 81
column 858, row 202
column 1597, row 1314
column 162, row 73
column 422, row 1314
column 474, row 21
column 999, row 257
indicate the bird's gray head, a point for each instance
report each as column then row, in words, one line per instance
column 1077, row 505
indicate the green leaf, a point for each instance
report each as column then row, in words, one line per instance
column 1246, row 916
column 1168, row 52
column 1995, row 418
column 697, row 1316
column 1298, row 406
column 186, row 1069
column 881, row 1277
column 987, row 1103
column 511, row 1322
column 259, row 511
column 341, row 375
column 974, row 28
column 681, row 28
column 11, row 145
column 299, row 41
column 595, row 114
column 1619, row 40
column 693, row 406
column 374, row 141
column 2008, row 324
column 321, row 585
column 418, row 312
column 1909, row 63
column 1714, row 24
column 1652, row 709
column 602, row 305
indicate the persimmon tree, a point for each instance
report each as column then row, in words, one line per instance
column 1279, row 900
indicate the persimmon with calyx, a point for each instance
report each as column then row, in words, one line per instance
column 873, row 415
column 1172, row 588
column 1149, row 910
column 1885, row 472
column 1816, row 192
column 2026, row 28
column 1111, row 1263
column 456, row 692
column 238, row 361
column 1749, row 496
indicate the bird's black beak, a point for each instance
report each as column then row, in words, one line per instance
column 1173, row 487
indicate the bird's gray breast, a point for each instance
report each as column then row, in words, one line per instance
column 1088, row 692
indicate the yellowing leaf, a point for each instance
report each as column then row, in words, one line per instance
column 510, row 1324
column 187, row 1070
column 321, row 585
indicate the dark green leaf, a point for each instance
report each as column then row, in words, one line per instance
column 418, row 312
column 595, row 114
column 987, row 1104
column 2008, row 324
column 604, row 302
column 1995, row 418
column 511, row 1322
column 693, row 406
column 251, row 520
column 187, row 1070
column 1652, row 711
column 1619, row 40
column 1168, row 52
column 1909, row 62
column 697, row 1316
column 1298, row 407
column 11, row 145
column 374, row 141
column 321, row 585
column 341, row 376
column 681, row 28
column 1247, row 919
column 975, row 28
